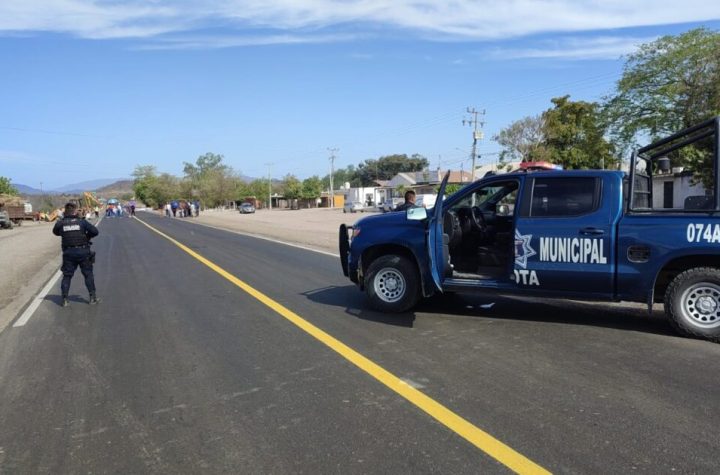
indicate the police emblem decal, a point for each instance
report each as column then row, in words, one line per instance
column 523, row 250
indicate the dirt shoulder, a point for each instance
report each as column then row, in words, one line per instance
column 315, row 228
column 29, row 254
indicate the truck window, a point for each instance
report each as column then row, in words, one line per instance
column 561, row 197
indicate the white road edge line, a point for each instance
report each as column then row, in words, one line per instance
column 264, row 238
column 37, row 301
column 41, row 296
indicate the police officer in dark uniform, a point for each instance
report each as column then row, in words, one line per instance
column 76, row 234
column 409, row 201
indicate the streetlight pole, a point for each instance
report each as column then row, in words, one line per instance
column 269, row 165
column 477, row 134
column 332, row 172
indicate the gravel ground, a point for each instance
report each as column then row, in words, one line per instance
column 316, row 228
column 25, row 252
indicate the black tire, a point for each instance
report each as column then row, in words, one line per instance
column 392, row 284
column 692, row 303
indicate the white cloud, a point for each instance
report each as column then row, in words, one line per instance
column 603, row 47
column 195, row 42
column 435, row 19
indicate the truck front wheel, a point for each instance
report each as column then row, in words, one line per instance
column 392, row 284
column 692, row 303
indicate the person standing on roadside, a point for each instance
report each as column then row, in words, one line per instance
column 174, row 205
column 76, row 234
column 197, row 207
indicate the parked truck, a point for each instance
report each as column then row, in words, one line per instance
column 580, row 234
column 5, row 222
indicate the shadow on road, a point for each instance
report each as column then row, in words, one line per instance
column 353, row 302
column 630, row 317
column 57, row 299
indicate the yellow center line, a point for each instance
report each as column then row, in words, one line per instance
column 473, row 434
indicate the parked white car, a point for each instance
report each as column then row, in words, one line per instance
column 353, row 207
column 390, row 204
column 425, row 200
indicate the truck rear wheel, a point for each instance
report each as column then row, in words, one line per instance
column 392, row 284
column 692, row 303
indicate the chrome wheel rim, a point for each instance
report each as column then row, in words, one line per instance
column 389, row 285
column 701, row 305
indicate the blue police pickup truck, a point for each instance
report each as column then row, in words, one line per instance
column 581, row 234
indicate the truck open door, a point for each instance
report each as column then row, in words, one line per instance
column 437, row 246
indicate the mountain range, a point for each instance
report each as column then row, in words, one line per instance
column 72, row 189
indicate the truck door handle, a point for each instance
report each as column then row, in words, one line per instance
column 592, row 232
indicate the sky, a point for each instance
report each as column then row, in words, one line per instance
column 92, row 89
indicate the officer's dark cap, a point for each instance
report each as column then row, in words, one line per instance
column 70, row 208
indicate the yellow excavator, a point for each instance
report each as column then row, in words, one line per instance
column 85, row 205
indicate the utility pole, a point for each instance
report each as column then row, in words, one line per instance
column 269, row 165
column 477, row 134
column 332, row 172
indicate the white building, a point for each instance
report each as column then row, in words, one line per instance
column 672, row 190
column 368, row 195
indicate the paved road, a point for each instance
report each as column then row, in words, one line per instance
column 180, row 371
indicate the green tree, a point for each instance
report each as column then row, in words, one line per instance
column 242, row 190
column 386, row 167
column 291, row 187
column 522, row 140
column 165, row 188
column 153, row 189
column 451, row 188
column 341, row 176
column 669, row 84
column 6, row 187
column 311, row 188
column 574, row 135
column 145, row 178
column 260, row 188
column 218, row 186
column 212, row 181
column 204, row 164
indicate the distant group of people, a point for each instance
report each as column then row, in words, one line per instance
column 182, row 209
column 113, row 210
column 118, row 209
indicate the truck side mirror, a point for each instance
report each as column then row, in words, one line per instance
column 416, row 214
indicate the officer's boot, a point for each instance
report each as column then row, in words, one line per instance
column 65, row 302
column 93, row 300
